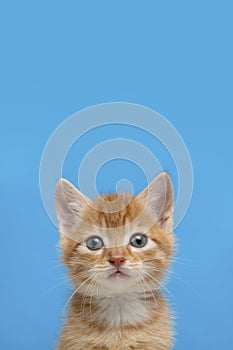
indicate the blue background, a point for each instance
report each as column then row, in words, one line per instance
column 58, row 57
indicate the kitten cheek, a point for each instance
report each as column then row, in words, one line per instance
column 82, row 248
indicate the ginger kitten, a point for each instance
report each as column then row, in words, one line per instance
column 117, row 249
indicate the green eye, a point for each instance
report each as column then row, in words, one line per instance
column 138, row 241
column 94, row 243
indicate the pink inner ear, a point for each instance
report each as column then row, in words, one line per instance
column 164, row 218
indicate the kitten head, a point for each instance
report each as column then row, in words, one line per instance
column 116, row 243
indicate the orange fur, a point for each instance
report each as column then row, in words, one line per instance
column 139, row 317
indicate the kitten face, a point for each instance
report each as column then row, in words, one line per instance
column 116, row 243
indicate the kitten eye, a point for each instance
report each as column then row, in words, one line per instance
column 138, row 241
column 94, row 243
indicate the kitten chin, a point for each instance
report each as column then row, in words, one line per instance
column 117, row 249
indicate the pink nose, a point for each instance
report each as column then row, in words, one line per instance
column 117, row 261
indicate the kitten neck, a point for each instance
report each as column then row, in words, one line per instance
column 128, row 309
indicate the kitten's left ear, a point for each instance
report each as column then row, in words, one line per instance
column 158, row 197
column 69, row 203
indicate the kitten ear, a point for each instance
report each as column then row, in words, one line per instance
column 159, row 199
column 69, row 203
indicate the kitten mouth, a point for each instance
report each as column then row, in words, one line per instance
column 118, row 273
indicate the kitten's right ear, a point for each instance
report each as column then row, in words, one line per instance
column 69, row 203
column 159, row 198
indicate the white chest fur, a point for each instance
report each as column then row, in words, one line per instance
column 117, row 310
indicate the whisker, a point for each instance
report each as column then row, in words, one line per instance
column 84, row 297
column 76, row 290
column 67, row 280
column 177, row 260
column 150, row 290
column 159, row 283
column 140, row 285
column 92, row 295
